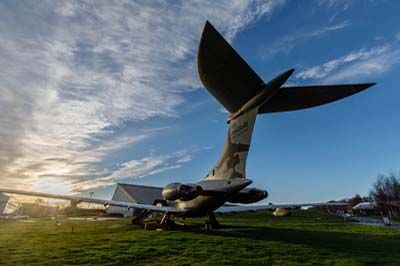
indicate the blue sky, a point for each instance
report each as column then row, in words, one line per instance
column 94, row 93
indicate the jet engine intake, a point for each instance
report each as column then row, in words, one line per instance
column 175, row 191
column 249, row 195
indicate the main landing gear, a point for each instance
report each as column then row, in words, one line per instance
column 167, row 222
column 212, row 222
column 140, row 216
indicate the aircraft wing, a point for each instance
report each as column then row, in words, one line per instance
column 78, row 199
column 252, row 208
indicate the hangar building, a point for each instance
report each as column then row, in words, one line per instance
column 3, row 202
column 135, row 194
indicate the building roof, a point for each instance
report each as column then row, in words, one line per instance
column 141, row 194
column 3, row 202
column 3, row 198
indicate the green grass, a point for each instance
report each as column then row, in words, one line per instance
column 300, row 239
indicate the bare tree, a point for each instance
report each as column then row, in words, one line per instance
column 355, row 200
column 386, row 193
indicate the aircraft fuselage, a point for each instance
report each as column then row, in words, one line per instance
column 216, row 192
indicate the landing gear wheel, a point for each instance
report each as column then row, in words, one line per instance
column 169, row 225
column 208, row 226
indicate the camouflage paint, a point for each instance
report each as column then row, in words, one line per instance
column 232, row 163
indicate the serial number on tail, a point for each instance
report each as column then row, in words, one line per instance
column 238, row 129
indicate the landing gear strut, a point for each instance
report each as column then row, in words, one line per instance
column 211, row 222
column 167, row 222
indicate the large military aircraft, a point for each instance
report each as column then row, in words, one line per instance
column 244, row 94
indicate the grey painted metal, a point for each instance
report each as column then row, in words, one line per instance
column 91, row 200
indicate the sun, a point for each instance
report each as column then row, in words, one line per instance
column 52, row 186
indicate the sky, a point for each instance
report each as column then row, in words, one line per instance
column 98, row 92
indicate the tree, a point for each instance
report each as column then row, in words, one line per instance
column 386, row 193
column 355, row 200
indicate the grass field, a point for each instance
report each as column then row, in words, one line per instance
column 305, row 238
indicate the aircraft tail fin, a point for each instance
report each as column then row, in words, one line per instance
column 303, row 97
column 232, row 163
column 224, row 72
column 227, row 76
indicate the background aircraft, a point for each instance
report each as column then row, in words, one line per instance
column 244, row 94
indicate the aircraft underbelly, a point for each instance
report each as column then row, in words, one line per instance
column 201, row 205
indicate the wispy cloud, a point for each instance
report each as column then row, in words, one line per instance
column 321, row 71
column 74, row 72
column 373, row 66
column 337, row 6
column 143, row 167
column 288, row 42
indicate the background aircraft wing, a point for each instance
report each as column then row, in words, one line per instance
column 243, row 208
column 78, row 199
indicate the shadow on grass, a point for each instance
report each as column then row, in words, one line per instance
column 364, row 247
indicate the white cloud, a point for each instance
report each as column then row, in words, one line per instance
column 51, row 186
column 368, row 56
column 185, row 159
column 366, row 68
column 74, row 72
column 139, row 168
column 341, row 5
column 337, row 7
